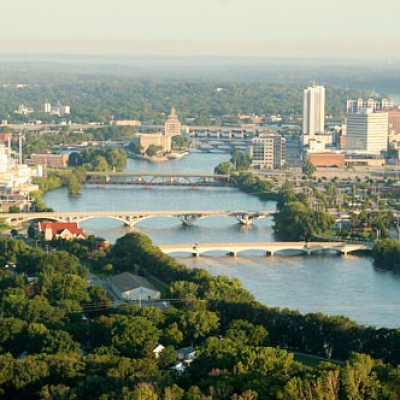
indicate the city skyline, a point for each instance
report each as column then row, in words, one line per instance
column 223, row 27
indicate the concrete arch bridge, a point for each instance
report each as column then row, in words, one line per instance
column 270, row 248
column 130, row 218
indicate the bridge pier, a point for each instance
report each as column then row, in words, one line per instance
column 245, row 221
column 131, row 221
column 188, row 219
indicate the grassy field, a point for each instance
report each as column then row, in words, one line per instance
column 312, row 361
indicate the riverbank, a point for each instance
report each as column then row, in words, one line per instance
column 326, row 283
column 153, row 159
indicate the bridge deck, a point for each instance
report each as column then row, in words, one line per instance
column 269, row 247
column 158, row 174
column 132, row 217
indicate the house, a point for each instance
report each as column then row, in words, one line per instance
column 157, row 350
column 133, row 287
column 186, row 353
column 63, row 230
column 179, row 367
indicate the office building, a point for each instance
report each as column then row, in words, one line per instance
column 360, row 105
column 394, row 119
column 49, row 159
column 367, row 132
column 313, row 112
column 58, row 110
column 268, row 152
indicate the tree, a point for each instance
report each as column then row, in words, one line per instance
column 386, row 254
column 179, row 141
column 57, row 341
column 308, row 168
column 173, row 392
column 117, row 158
column 152, row 150
column 297, row 221
column 100, row 164
column 172, row 335
column 134, row 148
column 246, row 333
column 167, row 357
column 224, row 168
column 74, row 186
column 134, row 336
column 199, row 324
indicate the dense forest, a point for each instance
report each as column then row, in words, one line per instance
column 100, row 98
column 61, row 338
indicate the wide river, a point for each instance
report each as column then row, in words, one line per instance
column 329, row 283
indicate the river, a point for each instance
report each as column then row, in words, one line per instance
column 329, row 283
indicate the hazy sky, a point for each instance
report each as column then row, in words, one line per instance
column 257, row 27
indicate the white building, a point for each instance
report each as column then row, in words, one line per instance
column 133, row 287
column 367, row 132
column 313, row 112
column 14, row 176
column 24, row 110
column 58, row 110
column 360, row 105
column 268, row 152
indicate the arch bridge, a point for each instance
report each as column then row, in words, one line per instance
column 163, row 179
column 130, row 218
column 270, row 248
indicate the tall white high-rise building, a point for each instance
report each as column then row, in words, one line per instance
column 367, row 132
column 313, row 112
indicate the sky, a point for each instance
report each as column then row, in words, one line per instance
column 289, row 28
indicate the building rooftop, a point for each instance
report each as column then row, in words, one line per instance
column 58, row 227
column 127, row 281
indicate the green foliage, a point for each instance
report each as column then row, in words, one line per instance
column 308, row 168
column 135, row 336
column 246, row 333
column 74, row 186
column 224, row 168
column 153, row 150
column 386, row 254
column 44, row 319
column 199, row 324
column 297, row 221
column 240, row 161
column 180, row 141
column 134, row 148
